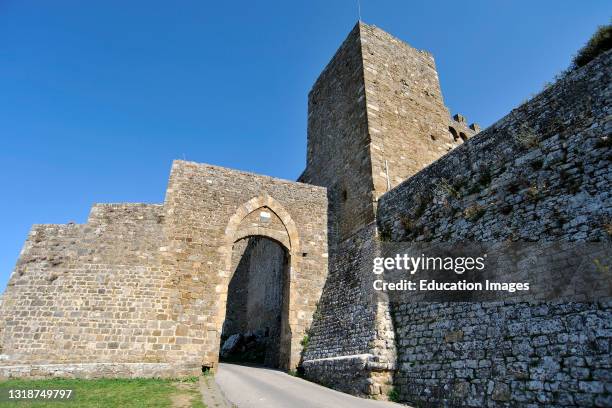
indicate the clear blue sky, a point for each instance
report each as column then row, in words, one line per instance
column 97, row 98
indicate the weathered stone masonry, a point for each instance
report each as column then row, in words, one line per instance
column 147, row 284
column 141, row 289
column 542, row 173
column 376, row 116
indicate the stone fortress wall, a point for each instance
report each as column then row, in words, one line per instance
column 92, row 293
column 142, row 289
column 540, row 173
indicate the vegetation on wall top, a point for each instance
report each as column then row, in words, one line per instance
column 600, row 42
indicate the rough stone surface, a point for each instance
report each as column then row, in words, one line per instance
column 148, row 283
column 96, row 370
column 408, row 123
column 351, row 345
column 142, row 289
column 542, row 173
column 375, row 117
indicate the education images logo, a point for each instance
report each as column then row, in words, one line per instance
column 459, row 265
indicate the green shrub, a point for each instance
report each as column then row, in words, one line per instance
column 527, row 138
column 393, row 395
column 533, row 193
column 474, row 212
column 445, row 186
column 599, row 43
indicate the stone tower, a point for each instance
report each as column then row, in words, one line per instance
column 375, row 117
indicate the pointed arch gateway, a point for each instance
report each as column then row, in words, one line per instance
column 288, row 238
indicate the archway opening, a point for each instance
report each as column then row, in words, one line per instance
column 256, row 315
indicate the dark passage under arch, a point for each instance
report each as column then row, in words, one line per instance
column 257, row 304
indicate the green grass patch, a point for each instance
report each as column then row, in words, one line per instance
column 124, row 393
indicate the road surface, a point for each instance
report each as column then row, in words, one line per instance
column 255, row 387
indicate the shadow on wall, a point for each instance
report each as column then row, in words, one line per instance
column 256, row 304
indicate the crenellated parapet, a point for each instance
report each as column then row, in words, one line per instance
column 460, row 131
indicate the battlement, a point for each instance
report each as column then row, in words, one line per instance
column 459, row 129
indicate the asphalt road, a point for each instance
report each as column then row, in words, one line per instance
column 254, row 387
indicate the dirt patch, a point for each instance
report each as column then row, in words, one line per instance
column 181, row 400
column 212, row 395
column 187, row 395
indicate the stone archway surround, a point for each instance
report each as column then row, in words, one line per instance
column 289, row 240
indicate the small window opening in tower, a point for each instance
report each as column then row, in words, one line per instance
column 454, row 133
column 463, row 136
column 344, row 195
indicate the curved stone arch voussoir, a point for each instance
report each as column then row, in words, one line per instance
column 252, row 205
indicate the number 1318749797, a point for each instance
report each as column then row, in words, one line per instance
column 13, row 394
